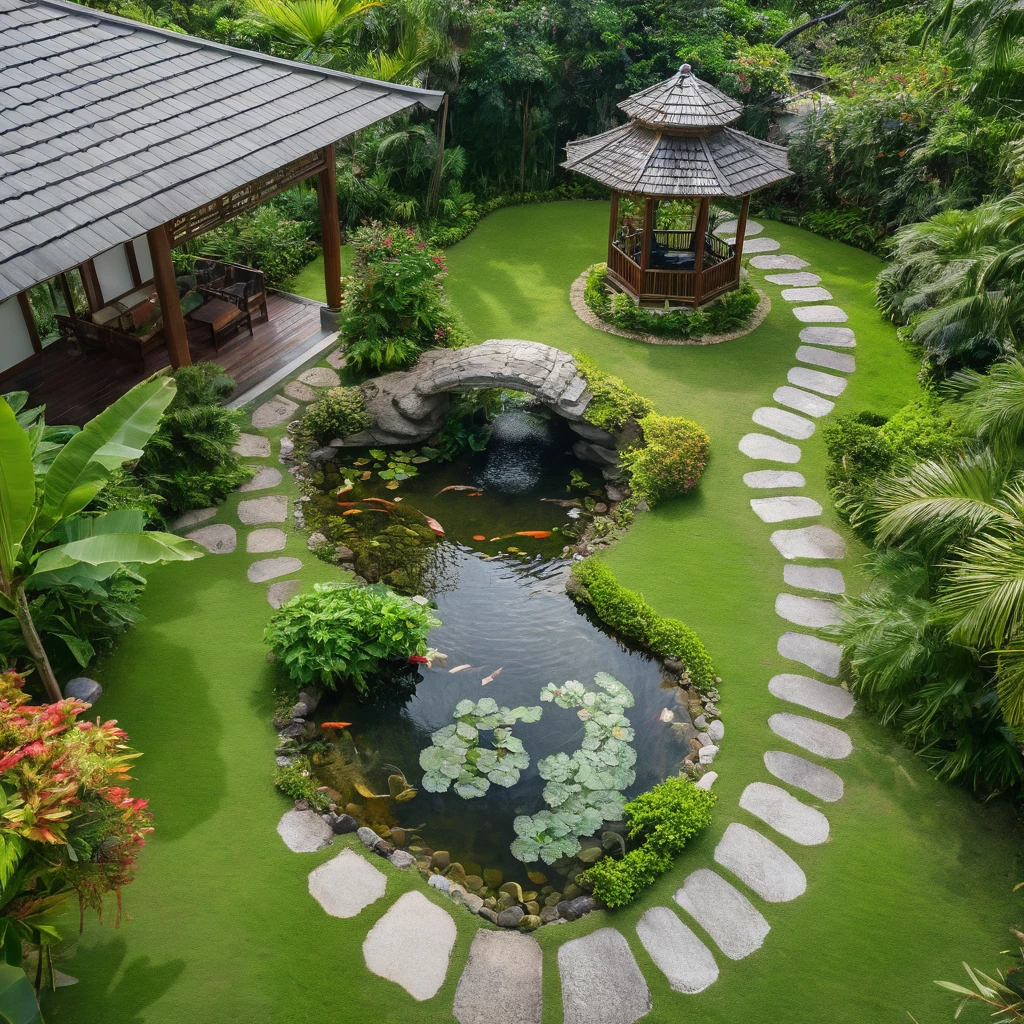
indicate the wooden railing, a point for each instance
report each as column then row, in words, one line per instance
column 675, row 285
column 678, row 285
column 625, row 269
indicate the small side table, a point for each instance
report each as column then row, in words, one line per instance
column 222, row 318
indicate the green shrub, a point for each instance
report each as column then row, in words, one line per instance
column 671, row 459
column 343, row 634
column 337, row 413
column 395, row 304
column 614, row 403
column 634, row 620
column 661, row 821
column 190, row 462
column 297, row 781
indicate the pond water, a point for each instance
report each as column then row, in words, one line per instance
column 505, row 617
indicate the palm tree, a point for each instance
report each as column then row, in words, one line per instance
column 311, row 28
column 993, row 31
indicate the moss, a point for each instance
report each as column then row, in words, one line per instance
column 614, row 403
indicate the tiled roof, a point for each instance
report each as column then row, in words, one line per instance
column 109, row 128
column 682, row 101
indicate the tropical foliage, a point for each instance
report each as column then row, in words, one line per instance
column 338, row 412
column 671, row 459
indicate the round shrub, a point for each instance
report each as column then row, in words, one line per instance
column 337, row 413
column 671, row 459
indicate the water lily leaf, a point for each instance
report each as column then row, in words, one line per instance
column 378, row 454
column 392, row 485
column 472, row 786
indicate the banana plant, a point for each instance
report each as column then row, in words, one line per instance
column 43, row 538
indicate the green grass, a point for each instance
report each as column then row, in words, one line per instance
column 915, row 878
column 309, row 281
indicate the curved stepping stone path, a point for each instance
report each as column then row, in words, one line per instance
column 812, row 778
column 729, row 227
column 320, row 377
column 783, row 422
column 817, row 737
column 784, row 813
column 821, row 655
column 299, row 391
column 760, row 864
column 504, row 972
column 252, row 446
column 264, row 478
column 271, row 568
column 777, row 262
column 806, row 294
column 826, row 357
column 803, row 401
column 734, row 923
column 681, row 956
column 826, row 383
column 193, row 518
column 410, row 945
column 273, row 413
column 272, row 508
column 278, row 593
column 761, row 245
column 262, row 541
column 813, row 612
column 304, row 831
column 815, row 577
column 766, row 479
column 837, row 337
column 777, row 510
column 825, row 698
column 800, row 278
column 809, row 542
column 820, row 315
column 337, row 358
column 345, row 885
column 218, row 540
column 601, row 982
column 764, row 446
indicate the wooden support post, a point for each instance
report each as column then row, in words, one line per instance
column 741, row 230
column 30, row 321
column 613, row 224
column 175, row 337
column 330, row 229
column 699, row 236
column 69, row 299
column 646, row 239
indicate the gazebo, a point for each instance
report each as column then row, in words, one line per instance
column 677, row 145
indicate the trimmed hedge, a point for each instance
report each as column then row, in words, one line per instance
column 632, row 618
column 671, row 459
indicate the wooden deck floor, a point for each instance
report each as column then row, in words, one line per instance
column 75, row 386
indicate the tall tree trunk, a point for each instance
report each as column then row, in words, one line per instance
column 435, row 179
column 526, row 130
column 35, row 646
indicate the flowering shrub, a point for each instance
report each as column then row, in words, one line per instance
column 671, row 459
column 68, row 823
column 395, row 304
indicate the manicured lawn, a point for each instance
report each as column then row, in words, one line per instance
column 915, row 877
column 309, row 281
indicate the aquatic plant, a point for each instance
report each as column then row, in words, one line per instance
column 455, row 755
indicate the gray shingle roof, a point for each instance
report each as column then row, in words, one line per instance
column 109, row 128
column 682, row 101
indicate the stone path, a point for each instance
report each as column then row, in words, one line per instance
column 797, row 771
column 679, row 954
column 218, row 540
column 840, row 337
column 263, row 479
column 262, row 541
column 817, row 737
column 734, row 923
column 783, row 422
column 803, row 401
column 270, row 568
column 760, row 864
column 797, row 278
column 826, row 383
column 767, row 479
column 345, row 885
column 791, row 506
column 820, row 314
column 816, row 612
column 825, row 698
column 826, row 357
column 764, row 446
column 273, row 508
column 761, row 245
column 823, row 656
column 806, row 294
column 304, row 831
column 814, row 577
column 601, row 983
column 809, row 542
column 784, row 813
column 502, row 980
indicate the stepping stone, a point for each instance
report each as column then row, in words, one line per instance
column 218, row 540
column 764, row 446
column 817, row 737
column 304, row 831
column 776, row 510
column 783, row 422
column 601, row 983
column 821, row 655
column 813, row 612
column 264, row 478
column 271, row 568
column 737, row 927
column 504, row 972
column 826, row 383
column 824, row 698
column 253, row 446
column 272, row 508
column 809, row 542
column 273, row 413
column 760, row 245
column 768, row 478
column 320, row 377
column 279, row 593
column 784, row 262
column 345, row 885
column 299, row 391
column 837, row 337
column 806, row 294
column 261, row 541
column 826, row 357
column 337, row 358
column 681, row 956
column 820, row 315
column 812, row 778
column 728, row 227
column 803, row 401
column 410, row 945
column 193, row 518
column 815, row 577
column 800, row 278
column 760, row 864
column 784, row 813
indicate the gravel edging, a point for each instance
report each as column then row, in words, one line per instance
column 591, row 319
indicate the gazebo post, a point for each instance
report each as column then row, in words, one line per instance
column 645, row 240
column 698, row 248
column 613, row 223
column 175, row 337
column 741, row 230
column 330, row 233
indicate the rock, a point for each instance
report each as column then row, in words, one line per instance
column 346, row 884
column 548, row 914
column 504, row 970
column 266, row 540
column 264, row 478
column 684, row 960
column 271, row 508
column 817, row 380
column 315, row 539
column 337, row 358
column 808, row 294
column 823, row 656
column 813, row 612
column 590, row 854
column 837, row 337
column 760, row 245
column 398, row 836
column 273, row 413
column 281, row 592
column 812, row 778
column 84, row 689
column 706, row 781
column 411, row 945
column 269, row 568
column 716, row 730
column 783, row 262
column 252, row 446
column 707, row 754
column 510, row 917
column 402, row 859
column 601, row 982
column 439, row 882
column 441, row 860
column 488, row 915
column 784, row 813
column 218, row 540
column 343, row 553
column 571, row 891
column 320, row 377
column 474, row 882
column 819, row 542
column 299, row 391
column 383, row 848
column 764, row 446
column 505, row 901
column 779, row 509
column 803, row 401
column 814, row 577
column 532, row 907
column 304, row 831
column 492, row 878
column 367, row 837
column 530, row 922
column 701, row 721
column 737, row 928
column 514, row 890
column 472, row 902
column 760, row 864
column 817, row 737
column 341, row 824
column 820, row 315
column 783, row 422
column 456, row 892
column 455, row 873
column 826, row 357
column 287, row 449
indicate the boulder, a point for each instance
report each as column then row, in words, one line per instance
column 341, row 824
column 367, row 837
column 84, row 689
column 530, row 922
column 511, row 917
column 402, row 859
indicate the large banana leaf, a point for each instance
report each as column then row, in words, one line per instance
column 117, row 434
column 119, row 548
column 17, row 489
column 80, row 574
column 17, row 999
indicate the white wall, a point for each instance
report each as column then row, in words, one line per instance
column 15, row 341
column 113, row 273
column 143, row 258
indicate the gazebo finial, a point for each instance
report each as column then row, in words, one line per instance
column 684, row 70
